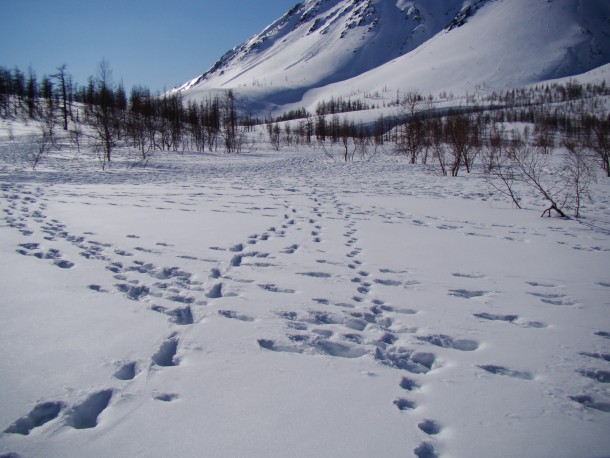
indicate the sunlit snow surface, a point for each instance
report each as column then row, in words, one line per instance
column 282, row 304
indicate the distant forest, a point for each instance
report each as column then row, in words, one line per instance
column 499, row 130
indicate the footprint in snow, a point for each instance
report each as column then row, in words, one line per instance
column 133, row 292
column 42, row 413
column 466, row 293
column 127, row 371
column 404, row 404
column 553, row 298
column 596, row 374
column 215, row 291
column 97, row 288
column 408, row 384
column 405, row 359
column 166, row 397
column 463, row 275
column 234, row 315
column 603, row 356
column 385, row 282
column 276, row 289
column 64, row 264
column 496, row 317
column 591, row 403
column 315, row 274
column 425, row 450
column 85, row 415
column 444, row 341
column 430, row 427
column 180, row 316
column 166, row 355
column 501, row 370
column 541, row 285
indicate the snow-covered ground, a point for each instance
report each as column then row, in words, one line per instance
column 282, row 304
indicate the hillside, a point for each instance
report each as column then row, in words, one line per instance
column 358, row 49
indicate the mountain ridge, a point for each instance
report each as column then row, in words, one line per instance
column 352, row 45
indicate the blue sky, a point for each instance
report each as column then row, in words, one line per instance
column 157, row 43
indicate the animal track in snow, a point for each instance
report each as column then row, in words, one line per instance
column 181, row 316
column 269, row 344
column 42, row 413
column 386, row 282
column 85, row 414
column 215, row 291
column 63, row 264
column 513, row 319
column 406, row 311
column 596, row 374
column 234, row 315
column 315, row 274
column 604, row 356
column 290, row 249
column 166, row 356
column 473, row 276
column 52, row 254
column 444, row 341
column 404, row 404
column 588, row 401
column 425, row 450
column 166, row 397
column 338, row 349
column 492, row 317
column 466, row 293
column 97, row 288
column 408, row 384
column 127, row 371
column 405, row 359
column 29, row 246
column 276, row 289
column 133, row 292
column 501, row 370
column 430, row 427
column 553, row 298
column 542, row 285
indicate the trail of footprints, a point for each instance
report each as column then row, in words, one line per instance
column 361, row 325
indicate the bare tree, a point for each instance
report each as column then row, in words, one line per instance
column 500, row 170
column 62, row 77
column 229, row 121
column 579, row 175
column 273, row 129
column 411, row 139
column 459, row 142
column 410, row 103
column 104, row 116
column 600, row 141
column 533, row 166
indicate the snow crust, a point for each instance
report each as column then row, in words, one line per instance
column 281, row 304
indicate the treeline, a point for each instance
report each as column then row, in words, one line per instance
column 102, row 116
column 146, row 121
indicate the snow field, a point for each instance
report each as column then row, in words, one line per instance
column 282, row 305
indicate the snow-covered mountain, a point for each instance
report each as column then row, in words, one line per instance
column 351, row 48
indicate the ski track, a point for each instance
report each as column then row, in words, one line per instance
column 306, row 217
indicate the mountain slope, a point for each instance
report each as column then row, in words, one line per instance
column 359, row 46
